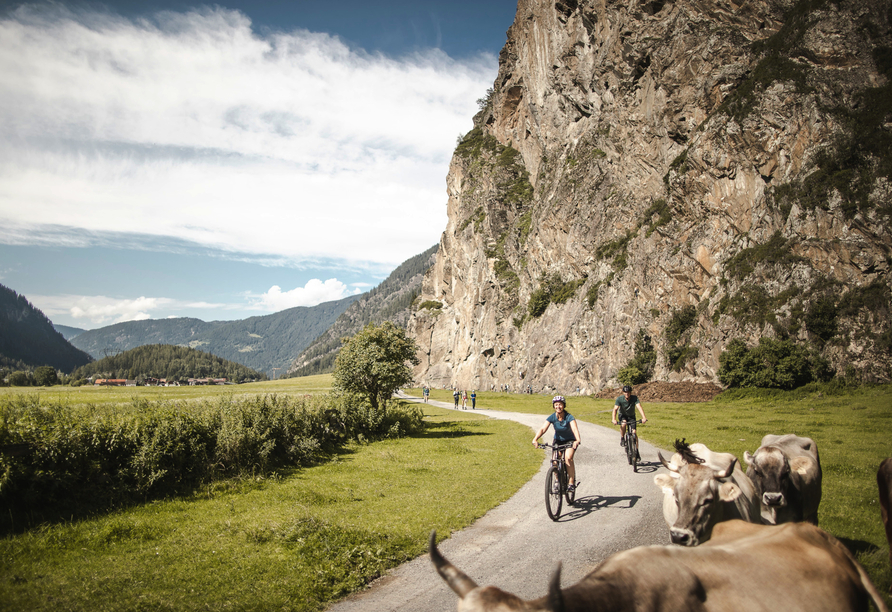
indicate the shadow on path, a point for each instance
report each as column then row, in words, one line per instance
column 586, row 505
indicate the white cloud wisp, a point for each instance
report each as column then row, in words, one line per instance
column 194, row 127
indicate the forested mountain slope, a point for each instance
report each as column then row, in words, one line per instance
column 687, row 173
column 390, row 301
column 27, row 336
column 174, row 363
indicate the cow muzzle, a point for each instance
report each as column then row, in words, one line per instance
column 683, row 537
column 775, row 500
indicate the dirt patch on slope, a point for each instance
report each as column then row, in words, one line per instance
column 668, row 392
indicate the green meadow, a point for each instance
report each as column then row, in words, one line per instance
column 300, row 538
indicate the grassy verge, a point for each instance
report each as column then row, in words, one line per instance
column 296, row 541
column 851, row 428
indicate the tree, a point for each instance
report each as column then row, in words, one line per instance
column 45, row 376
column 373, row 363
column 19, row 378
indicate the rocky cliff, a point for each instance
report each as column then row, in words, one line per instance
column 675, row 174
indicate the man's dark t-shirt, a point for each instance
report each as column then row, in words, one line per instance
column 626, row 410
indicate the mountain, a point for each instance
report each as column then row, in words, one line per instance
column 267, row 343
column 390, row 301
column 27, row 337
column 175, row 363
column 68, row 332
column 684, row 172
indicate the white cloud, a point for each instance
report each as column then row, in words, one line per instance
column 99, row 309
column 196, row 128
column 314, row 292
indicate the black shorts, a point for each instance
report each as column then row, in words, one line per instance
column 630, row 422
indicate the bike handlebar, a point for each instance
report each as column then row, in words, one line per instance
column 627, row 422
column 563, row 446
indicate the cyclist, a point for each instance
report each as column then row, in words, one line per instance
column 565, row 430
column 625, row 405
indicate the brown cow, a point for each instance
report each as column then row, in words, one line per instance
column 884, row 482
column 786, row 475
column 696, row 496
column 743, row 567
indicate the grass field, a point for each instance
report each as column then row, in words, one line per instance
column 296, row 541
column 300, row 539
column 88, row 394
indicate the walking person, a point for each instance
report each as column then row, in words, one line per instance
column 426, row 392
column 464, row 400
column 455, row 396
column 474, row 400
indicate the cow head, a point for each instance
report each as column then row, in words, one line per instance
column 769, row 471
column 472, row 598
column 696, row 494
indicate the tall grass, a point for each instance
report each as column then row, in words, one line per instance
column 294, row 540
column 59, row 459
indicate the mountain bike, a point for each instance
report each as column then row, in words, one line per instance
column 556, row 485
column 631, row 444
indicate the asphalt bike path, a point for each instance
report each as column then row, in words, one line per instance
column 516, row 547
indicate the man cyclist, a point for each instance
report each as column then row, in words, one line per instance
column 565, row 430
column 625, row 406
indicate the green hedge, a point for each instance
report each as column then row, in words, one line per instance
column 59, row 460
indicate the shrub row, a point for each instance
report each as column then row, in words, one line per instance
column 59, row 460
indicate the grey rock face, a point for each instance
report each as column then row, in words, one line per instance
column 642, row 161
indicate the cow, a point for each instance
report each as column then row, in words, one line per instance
column 786, row 475
column 701, row 489
column 884, row 483
column 744, row 566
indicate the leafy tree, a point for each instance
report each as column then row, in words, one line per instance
column 373, row 363
column 773, row 364
column 19, row 379
column 45, row 376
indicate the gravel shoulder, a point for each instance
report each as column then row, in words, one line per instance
column 516, row 546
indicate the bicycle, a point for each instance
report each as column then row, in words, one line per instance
column 631, row 444
column 556, row 486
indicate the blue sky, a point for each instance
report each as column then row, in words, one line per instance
column 222, row 161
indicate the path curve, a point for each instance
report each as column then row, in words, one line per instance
column 516, row 547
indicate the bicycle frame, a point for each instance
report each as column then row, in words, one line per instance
column 631, row 439
column 556, row 480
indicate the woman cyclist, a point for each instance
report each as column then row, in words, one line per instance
column 565, row 430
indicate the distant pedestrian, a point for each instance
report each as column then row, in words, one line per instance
column 473, row 400
column 426, row 392
column 455, row 395
column 464, row 400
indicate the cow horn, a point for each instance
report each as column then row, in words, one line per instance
column 728, row 470
column 666, row 464
column 555, row 596
column 457, row 580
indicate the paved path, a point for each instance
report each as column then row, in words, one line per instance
column 516, row 546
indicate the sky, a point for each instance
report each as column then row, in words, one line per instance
column 227, row 160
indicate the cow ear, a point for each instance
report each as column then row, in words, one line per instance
column 801, row 465
column 665, row 481
column 555, row 597
column 748, row 457
column 728, row 491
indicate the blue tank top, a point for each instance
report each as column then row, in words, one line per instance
column 562, row 430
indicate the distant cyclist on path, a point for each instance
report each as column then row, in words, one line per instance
column 565, row 430
column 625, row 408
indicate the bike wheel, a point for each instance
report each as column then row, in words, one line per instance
column 553, row 493
column 634, row 454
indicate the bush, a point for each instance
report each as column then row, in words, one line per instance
column 773, row 364
column 19, row 378
column 630, row 375
column 85, row 459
